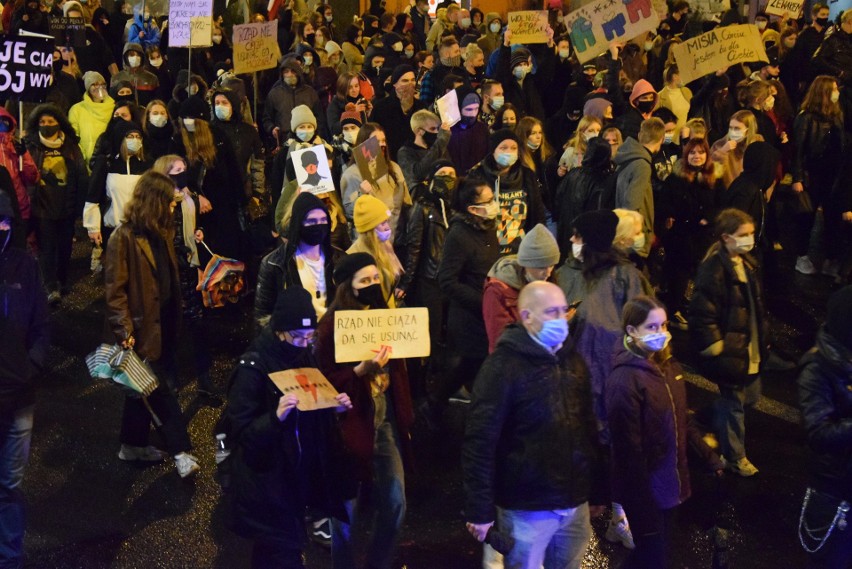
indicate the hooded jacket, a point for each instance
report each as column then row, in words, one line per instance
column 628, row 118
column 142, row 31
column 747, row 191
column 282, row 99
column 248, row 147
column 90, row 120
column 500, row 297
column 633, row 189
column 21, row 177
column 489, row 41
column 144, row 82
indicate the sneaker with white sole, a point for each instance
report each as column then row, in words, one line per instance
column 742, row 467
column 619, row 532
column 805, row 266
column 186, row 464
column 145, row 454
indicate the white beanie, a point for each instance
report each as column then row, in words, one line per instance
column 302, row 115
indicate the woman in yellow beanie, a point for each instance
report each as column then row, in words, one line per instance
column 372, row 222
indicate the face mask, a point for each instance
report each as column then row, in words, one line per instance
column 467, row 121
column 189, row 124
column 506, row 159
column 497, row 103
column 134, row 60
column 577, row 251
column 192, row 89
column 761, row 24
column 329, row 18
column 744, row 244
column 305, row 134
column 492, row 208
column 158, row 121
column 645, row 106
column 409, row 53
column 465, row 22
column 445, row 182
column 308, row 61
column 291, row 80
column 565, row 53
column 823, row 22
column 656, row 341
column 769, row 103
column 57, row 65
column 736, row 135
column 371, row 296
column 397, row 47
column 156, row 62
column 181, row 180
column 532, row 145
column 494, row 27
column 383, row 235
column 451, row 61
column 350, row 136
column 313, row 234
column 48, row 131
column 649, row 45
column 520, row 71
column 667, row 139
column 639, row 242
column 134, row 145
column 223, row 113
column 98, row 94
column 429, row 138
column 217, row 39
column 590, row 135
column 835, row 96
column 553, row 332
column 789, row 44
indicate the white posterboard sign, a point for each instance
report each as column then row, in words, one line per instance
column 448, row 108
column 191, row 23
column 358, row 334
column 600, row 22
column 791, row 8
column 312, row 172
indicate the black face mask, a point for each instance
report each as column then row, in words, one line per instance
column 57, row 65
column 645, row 106
column 48, row 131
column 429, row 138
column 372, row 296
column 467, row 122
column 443, row 185
column 288, row 352
column 313, row 234
column 180, row 180
column 823, row 22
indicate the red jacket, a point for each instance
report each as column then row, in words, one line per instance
column 500, row 298
column 21, row 178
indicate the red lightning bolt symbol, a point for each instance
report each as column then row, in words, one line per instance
column 307, row 385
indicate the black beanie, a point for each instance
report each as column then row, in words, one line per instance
column 499, row 136
column 838, row 323
column 597, row 228
column 351, row 264
column 194, row 108
column 303, row 203
column 401, row 70
column 294, row 310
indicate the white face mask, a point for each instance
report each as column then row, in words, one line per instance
column 565, row 53
column 497, row 102
column 134, row 60
column 350, row 136
column 744, row 244
column 158, row 120
column 383, row 235
column 397, row 47
column 736, row 135
column 134, row 145
column 193, row 89
column 189, row 124
column 639, row 242
column 492, row 208
column 217, row 39
column 667, row 139
column 494, row 27
column 156, row 62
column 649, row 45
column 835, row 96
column 590, row 135
column 769, row 103
column 465, row 22
column 308, row 60
column 761, row 24
column 305, row 134
column 577, row 251
column 223, row 112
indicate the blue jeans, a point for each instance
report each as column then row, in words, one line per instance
column 15, row 435
column 388, row 495
column 729, row 417
column 547, row 538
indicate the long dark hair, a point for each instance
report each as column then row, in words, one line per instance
column 636, row 311
column 148, row 210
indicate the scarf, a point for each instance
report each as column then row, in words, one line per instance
column 187, row 211
column 53, row 144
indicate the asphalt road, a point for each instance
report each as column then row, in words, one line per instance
column 88, row 509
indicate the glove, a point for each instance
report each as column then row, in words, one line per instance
column 20, row 147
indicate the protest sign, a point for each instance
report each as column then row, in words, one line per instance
column 529, row 26
column 191, row 23
column 312, row 172
column 593, row 26
column 791, row 8
column 718, row 49
column 448, row 108
column 68, row 31
column 25, row 64
column 358, row 334
column 256, row 47
column 370, row 159
column 710, row 7
column 309, row 384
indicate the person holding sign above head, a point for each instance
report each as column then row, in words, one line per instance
column 514, row 68
column 283, row 460
column 376, row 430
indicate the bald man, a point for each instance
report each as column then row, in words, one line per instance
column 531, row 439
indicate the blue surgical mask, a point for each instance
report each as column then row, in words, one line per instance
column 656, row 341
column 520, row 71
column 497, row 102
column 506, row 159
column 383, row 235
column 553, row 332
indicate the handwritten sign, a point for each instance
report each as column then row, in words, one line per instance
column 791, row 8
column 448, row 108
column 27, row 62
column 312, row 172
column 529, row 26
column 191, row 23
column 357, row 333
column 600, row 22
column 68, row 31
column 718, row 49
column 709, row 7
column 256, row 47
column 309, row 384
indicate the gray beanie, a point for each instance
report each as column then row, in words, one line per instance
column 538, row 249
column 302, row 115
column 92, row 77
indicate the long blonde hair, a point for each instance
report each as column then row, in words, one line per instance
column 199, row 147
column 747, row 118
column 578, row 141
column 386, row 260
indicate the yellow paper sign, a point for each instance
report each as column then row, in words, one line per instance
column 256, row 47
column 718, row 49
column 600, row 22
column 791, row 8
column 358, row 334
column 529, row 26
column 309, row 384
column 191, row 23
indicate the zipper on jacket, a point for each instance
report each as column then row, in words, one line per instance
column 298, row 440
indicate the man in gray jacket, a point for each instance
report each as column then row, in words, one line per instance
column 288, row 93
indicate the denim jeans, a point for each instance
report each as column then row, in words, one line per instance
column 546, row 538
column 729, row 417
column 15, row 436
column 388, row 496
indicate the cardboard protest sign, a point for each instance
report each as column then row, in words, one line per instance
column 256, row 47
column 718, row 49
column 312, row 172
column 309, row 384
column 593, row 26
column 529, row 26
column 791, row 8
column 448, row 108
column 191, row 23
column 370, row 159
column 26, row 65
column 68, row 31
column 358, row 334
column 708, row 7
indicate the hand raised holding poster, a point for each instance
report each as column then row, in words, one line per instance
column 256, row 47
column 312, row 172
column 448, row 108
column 529, row 26
column 600, row 22
column 191, row 23
column 359, row 334
column 718, row 49
column 370, row 159
column 785, row 8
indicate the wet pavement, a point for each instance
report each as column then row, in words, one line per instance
column 87, row 509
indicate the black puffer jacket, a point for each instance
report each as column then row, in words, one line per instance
column 530, row 441
column 424, row 239
column 719, row 311
column 825, row 395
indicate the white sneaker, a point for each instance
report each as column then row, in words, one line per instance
column 743, row 467
column 186, row 464
column 805, row 266
column 831, row 268
column 619, row 531
column 146, row 454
